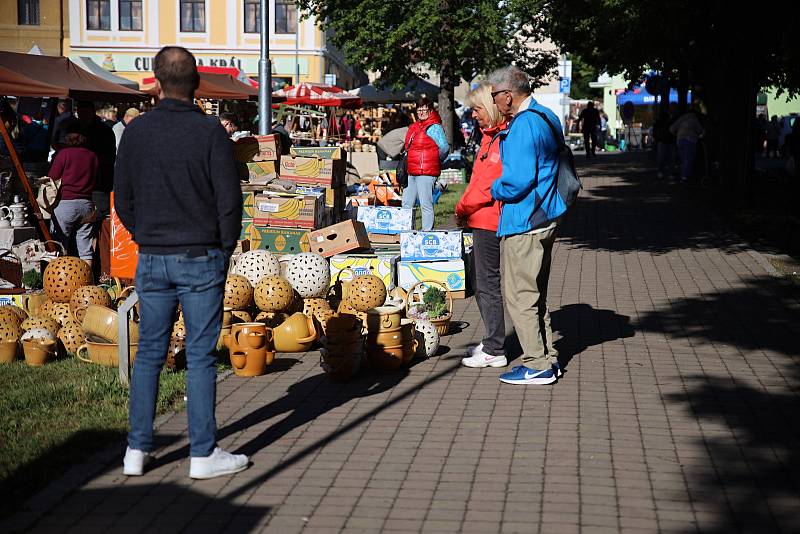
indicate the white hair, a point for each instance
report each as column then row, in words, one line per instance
column 511, row 78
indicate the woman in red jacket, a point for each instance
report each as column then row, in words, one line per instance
column 478, row 210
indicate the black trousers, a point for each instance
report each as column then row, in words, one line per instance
column 487, row 289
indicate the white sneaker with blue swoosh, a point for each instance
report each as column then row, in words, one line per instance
column 525, row 375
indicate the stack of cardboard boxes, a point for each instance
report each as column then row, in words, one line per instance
column 435, row 255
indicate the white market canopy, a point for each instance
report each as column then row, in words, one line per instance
column 88, row 64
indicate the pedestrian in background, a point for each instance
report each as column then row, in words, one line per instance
column 529, row 152
column 119, row 128
column 773, row 134
column 589, row 123
column 687, row 130
column 178, row 194
column 426, row 147
column 480, row 212
column 665, row 145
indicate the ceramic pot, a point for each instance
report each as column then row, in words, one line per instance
column 48, row 323
column 223, row 334
column 341, row 368
column 86, row 295
column 296, row 334
column 63, row 276
column 250, row 347
column 16, row 310
column 366, row 292
column 385, row 358
column 71, row 337
column 226, row 317
column 9, row 350
column 343, row 337
column 386, row 338
column 427, row 338
column 345, row 347
column 256, row 264
column 31, row 302
column 309, row 274
column 10, row 331
column 409, row 350
column 38, row 352
column 104, row 323
column 271, row 319
column 103, row 353
column 238, row 292
column 273, row 294
column 38, row 333
column 240, row 316
column 176, row 353
column 383, row 318
column 248, row 336
column 61, row 313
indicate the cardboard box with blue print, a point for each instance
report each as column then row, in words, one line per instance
column 451, row 273
column 433, row 245
column 386, row 219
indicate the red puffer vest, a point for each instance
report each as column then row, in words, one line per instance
column 423, row 156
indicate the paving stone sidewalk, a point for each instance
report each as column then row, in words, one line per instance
column 678, row 411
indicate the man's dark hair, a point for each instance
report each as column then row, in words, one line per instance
column 176, row 70
column 230, row 117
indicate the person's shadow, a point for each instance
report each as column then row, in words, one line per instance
column 580, row 326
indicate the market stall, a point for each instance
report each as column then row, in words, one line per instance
column 212, row 86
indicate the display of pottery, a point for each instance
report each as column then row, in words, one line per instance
column 106, row 354
column 85, row 295
column 9, row 316
column 19, row 312
column 366, row 292
column 61, row 313
column 427, row 338
column 39, row 351
column 256, row 264
column 103, row 323
column 273, row 294
column 71, row 337
column 10, row 331
column 309, row 274
column 271, row 319
column 47, row 323
column 296, row 334
column 250, row 348
column 38, row 332
column 64, row 275
column 238, row 292
column 9, row 351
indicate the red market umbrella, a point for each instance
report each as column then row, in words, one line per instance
column 312, row 94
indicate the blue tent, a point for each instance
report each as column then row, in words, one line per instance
column 638, row 96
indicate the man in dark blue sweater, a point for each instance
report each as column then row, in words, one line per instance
column 177, row 191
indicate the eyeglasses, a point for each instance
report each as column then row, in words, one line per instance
column 423, row 110
column 495, row 93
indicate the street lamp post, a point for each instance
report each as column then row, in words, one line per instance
column 264, row 75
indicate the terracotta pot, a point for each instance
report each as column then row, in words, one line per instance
column 16, row 310
column 102, row 353
column 10, row 331
column 61, row 313
column 9, row 350
column 366, row 292
column 343, row 323
column 224, row 333
column 248, row 336
column 385, row 358
column 345, row 348
column 38, row 352
column 386, row 338
column 342, row 337
column 271, row 319
column 72, row 337
column 226, row 317
column 250, row 349
column 64, row 275
column 409, row 350
column 273, row 294
column 104, row 323
column 383, row 318
column 238, row 292
column 296, row 334
column 240, row 316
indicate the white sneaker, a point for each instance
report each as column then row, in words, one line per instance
column 481, row 359
column 135, row 461
column 473, row 349
column 219, row 463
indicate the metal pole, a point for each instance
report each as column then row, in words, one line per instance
column 264, row 76
column 297, row 47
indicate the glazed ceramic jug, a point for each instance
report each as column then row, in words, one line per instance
column 17, row 210
column 5, row 217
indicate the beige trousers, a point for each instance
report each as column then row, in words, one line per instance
column 527, row 260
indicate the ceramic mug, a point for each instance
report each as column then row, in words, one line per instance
column 38, row 351
column 383, row 318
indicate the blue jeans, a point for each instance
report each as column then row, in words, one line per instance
column 687, row 150
column 421, row 188
column 199, row 285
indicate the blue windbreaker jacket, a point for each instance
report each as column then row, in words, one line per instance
column 527, row 187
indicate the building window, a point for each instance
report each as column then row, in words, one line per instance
column 98, row 15
column 130, row 15
column 285, row 16
column 193, row 15
column 252, row 16
column 28, row 12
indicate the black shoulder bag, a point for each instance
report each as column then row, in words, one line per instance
column 402, row 166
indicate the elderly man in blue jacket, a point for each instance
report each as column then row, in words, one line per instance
column 531, row 208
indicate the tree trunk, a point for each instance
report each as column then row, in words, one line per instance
column 683, row 91
column 737, row 113
column 447, row 101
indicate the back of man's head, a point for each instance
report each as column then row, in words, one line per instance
column 511, row 78
column 590, row 104
column 175, row 69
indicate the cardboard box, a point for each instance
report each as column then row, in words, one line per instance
column 279, row 240
column 257, row 148
column 382, row 266
column 335, row 197
column 386, row 219
column 248, row 204
column 324, row 152
column 384, row 239
column 313, row 171
column 247, row 224
column 433, row 245
column 260, row 172
column 450, row 273
column 366, row 163
column 289, row 211
column 15, row 300
column 339, row 238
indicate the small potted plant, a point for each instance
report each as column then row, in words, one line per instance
column 32, row 280
column 430, row 300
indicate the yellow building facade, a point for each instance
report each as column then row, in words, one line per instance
column 25, row 24
column 124, row 35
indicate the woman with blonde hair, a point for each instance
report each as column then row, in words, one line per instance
column 479, row 211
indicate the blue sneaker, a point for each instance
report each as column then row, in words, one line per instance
column 525, row 375
column 557, row 370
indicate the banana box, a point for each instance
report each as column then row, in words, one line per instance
column 248, row 204
column 433, row 245
column 279, row 240
column 335, row 197
column 312, row 171
column 289, row 211
column 324, row 152
column 384, row 266
column 257, row 148
column 259, row 172
column 247, row 224
column 451, row 273
column 468, row 240
column 386, row 219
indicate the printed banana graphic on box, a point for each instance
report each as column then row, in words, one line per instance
column 382, row 266
column 312, row 171
column 288, row 211
column 450, row 273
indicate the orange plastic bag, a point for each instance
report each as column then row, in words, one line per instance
column 124, row 252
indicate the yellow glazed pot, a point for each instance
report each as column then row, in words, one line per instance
column 102, row 353
column 383, row 318
column 38, row 351
column 9, row 350
column 104, row 323
column 296, row 334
